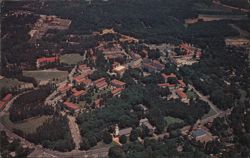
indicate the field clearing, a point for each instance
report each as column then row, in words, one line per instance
column 172, row 120
column 28, row 126
column 47, row 74
column 7, row 82
column 71, row 59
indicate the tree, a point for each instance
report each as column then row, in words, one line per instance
column 133, row 135
column 107, row 138
column 116, row 152
column 92, row 141
column 123, row 139
column 84, row 144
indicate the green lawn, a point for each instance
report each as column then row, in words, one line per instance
column 191, row 94
column 172, row 120
column 7, row 82
column 71, row 59
column 47, row 74
column 28, row 126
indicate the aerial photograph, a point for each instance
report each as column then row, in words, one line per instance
column 125, row 79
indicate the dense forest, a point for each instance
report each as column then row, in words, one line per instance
column 141, row 20
column 30, row 104
column 54, row 134
column 174, row 147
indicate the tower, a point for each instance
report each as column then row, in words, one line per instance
column 116, row 134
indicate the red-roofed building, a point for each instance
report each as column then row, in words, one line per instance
column 7, row 98
column 46, row 60
column 98, row 103
column 117, row 91
column 182, row 83
column 182, row 95
column 65, row 87
column 99, row 80
column 101, row 85
column 71, row 106
column 117, row 83
column 165, row 77
column 85, row 70
column 79, row 93
column 82, row 79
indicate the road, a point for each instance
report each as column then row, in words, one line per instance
column 40, row 151
column 230, row 7
column 75, row 132
column 205, row 98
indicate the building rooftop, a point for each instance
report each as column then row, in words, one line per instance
column 198, row 133
column 125, row 131
column 7, row 97
column 117, row 82
column 117, row 90
column 168, row 76
column 182, row 83
column 99, row 80
column 71, row 105
column 181, row 94
column 65, row 87
column 47, row 59
column 101, row 84
column 79, row 93
column 119, row 68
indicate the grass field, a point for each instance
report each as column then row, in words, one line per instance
column 71, row 59
column 28, row 126
column 46, row 74
column 7, row 82
column 172, row 120
column 191, row 94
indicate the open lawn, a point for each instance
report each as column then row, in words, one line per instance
column 172, row 120
column 71, row 59
column 191, row 94
column 7, row 82
column 46, row 74
column 28, row 126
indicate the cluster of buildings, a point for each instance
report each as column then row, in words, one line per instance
column 44, row 23
column 190, row 55
column 178, row 87
column 113, row 52
column 101, row 85
column 152, row 65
